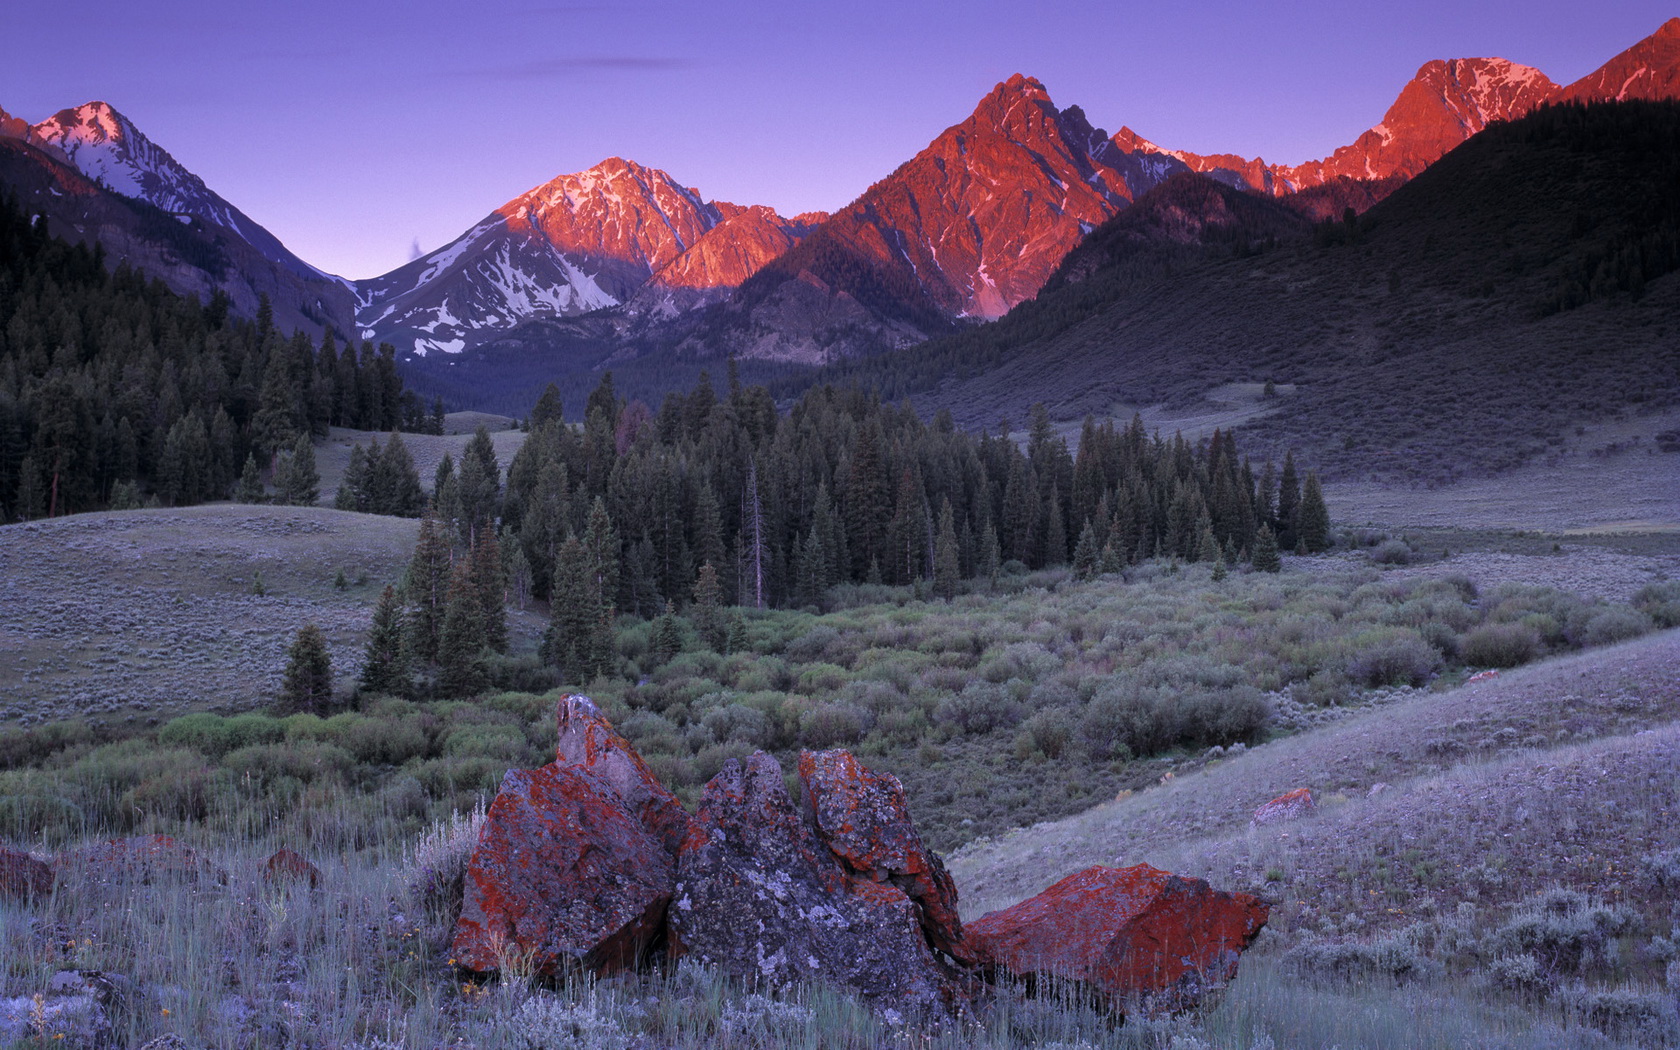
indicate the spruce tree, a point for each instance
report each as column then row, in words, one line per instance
column 1266, row 557
column 308, row 685
column 1314, row 516
column 1288, row 503
column 428, row 586
column 386, row 667
column 574, row 613
column 666, row 642
column 947, row 571
column 707, row 613
column 1086, row 554
column 250, row 488
column 490, row 582
column 297, row 482
column 461, row 644
column 352, row 488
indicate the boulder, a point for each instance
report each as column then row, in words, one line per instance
column 146, row 858
column 1297, row 803
column 588, row 740
column 860, row 816
column 289, row 867
column 564, row 876
column 1137, row 937
column 22, row 877
column 761, row 896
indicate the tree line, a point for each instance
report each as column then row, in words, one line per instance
column 716, row 499
column 115, row 391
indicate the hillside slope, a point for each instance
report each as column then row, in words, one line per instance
column 1429, row 340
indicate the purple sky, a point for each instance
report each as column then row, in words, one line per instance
column 354, row 129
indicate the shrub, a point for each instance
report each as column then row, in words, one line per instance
column 833, row 725
column 1050, row 731
column 980, row 708
column 1399, row 657
column 1395, row 957
column 1391, row 552
column 740, row 724
column 1615, row 624
column 1564, row 930
column 1500, row 645
column 1661, row 602
column 379, row 741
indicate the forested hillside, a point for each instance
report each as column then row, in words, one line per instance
column 115, row 390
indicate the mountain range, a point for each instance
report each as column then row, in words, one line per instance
column 959, row 234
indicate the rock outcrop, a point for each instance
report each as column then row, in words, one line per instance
column 22, row 877
column 1291, row 806
column 1141, row 938
column 289, row 867
column 591, row 864
column 760, row 895
column 861, row 817
column 563, row 877
column 587, row 740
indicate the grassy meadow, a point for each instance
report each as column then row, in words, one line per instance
column 1498, row 856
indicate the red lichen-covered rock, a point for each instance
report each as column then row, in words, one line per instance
column 286, row 866
column 588, row 740
column 1297, row 803
column 563, row 877
column 1137, row 936
column 22, row 877
column 861, row 817
column 760, row 896
column 147, row 858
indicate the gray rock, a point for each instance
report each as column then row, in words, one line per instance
column 762, row 897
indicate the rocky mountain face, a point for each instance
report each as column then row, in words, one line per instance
column 190, row 252
column 578, row 243
column 1648, row 70
column 85, row 167
column 966, row 229
column 1445, row 103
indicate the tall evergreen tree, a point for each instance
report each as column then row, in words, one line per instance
column 1314, row 517
column 1266, row 557
column 428, row 586
column 386, row 667
column 296, row 481
column 484, row 565
column 461, row 644
column 308, row 685
column 1288, row 504
column 947, row 572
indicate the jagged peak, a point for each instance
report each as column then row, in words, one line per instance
column 100, row 118
column 1669, row 30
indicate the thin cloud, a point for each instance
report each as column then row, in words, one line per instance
column 561, row 68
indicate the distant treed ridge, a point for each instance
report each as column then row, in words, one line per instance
column 115, row 390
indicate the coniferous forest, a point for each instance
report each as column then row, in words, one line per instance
column 115, row 391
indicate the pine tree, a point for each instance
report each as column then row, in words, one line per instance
column 1219, row 569
column 386, row 667
column 296, row 480
column 1314, row 516
column 574, row 614
column 666, row 642
column 991, row 559
column 1266, row 551
column 308, row 686
column 947, row 571
column 484, row 565
column 707, row 613
column 352, row 488
column 1086, row 554
column 1288, row 504
column 461, row 644
column 428, row 586
column 250, row 488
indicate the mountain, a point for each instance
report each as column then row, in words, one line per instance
column 98, row 180
column 578, row 243
column 1445, row 103
column 225, row 249
column 964, row 230
column 1522, row 285
column 1649, row 69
